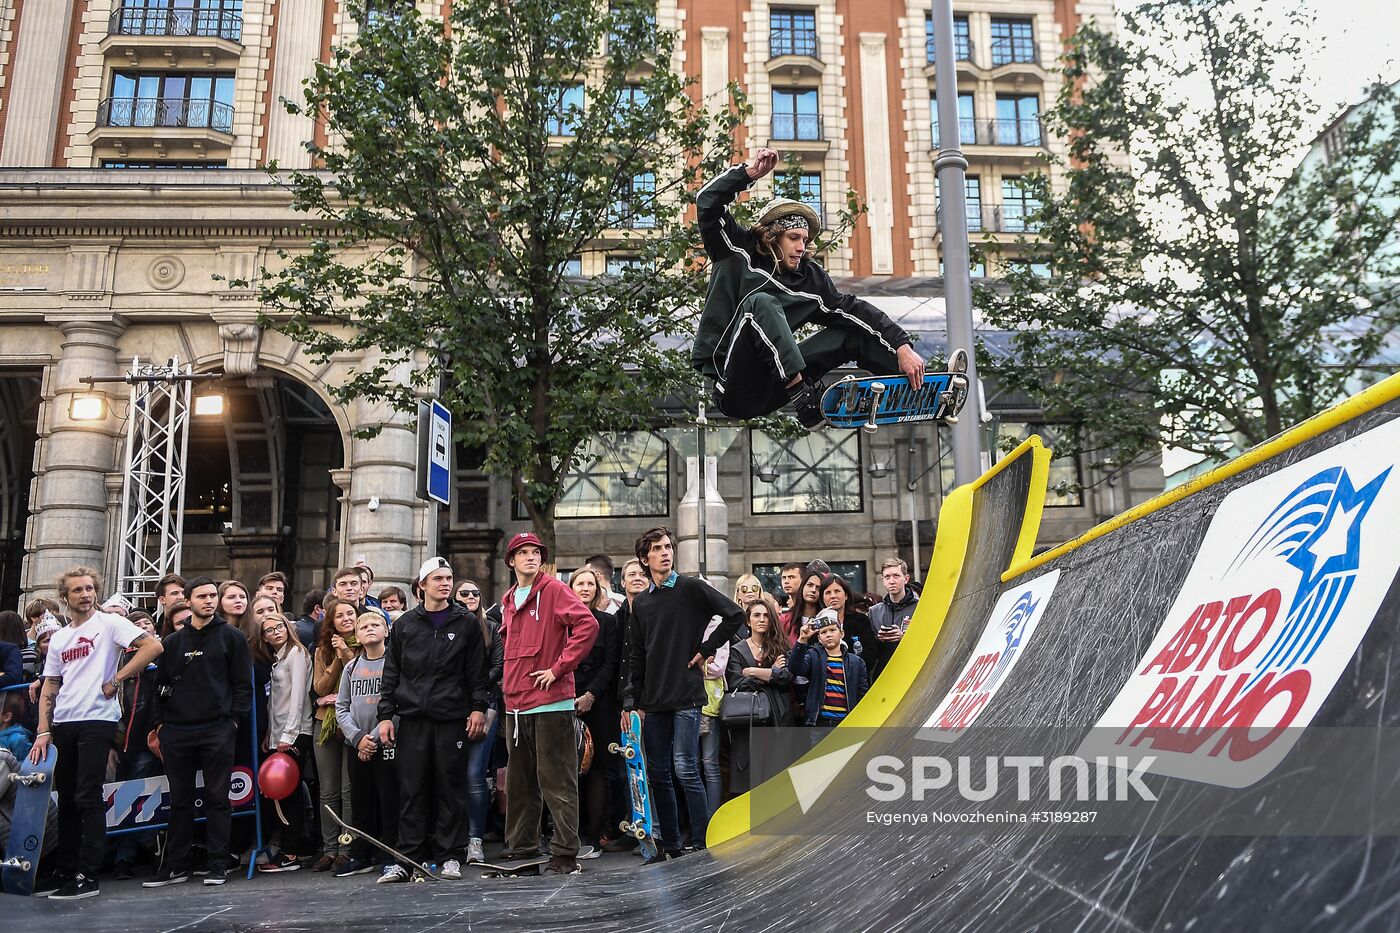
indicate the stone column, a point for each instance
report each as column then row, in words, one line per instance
column 298, row 48
column 716, row 525
column 383, row 468
column 879, row 193
column 69, row 508
column 38, row 51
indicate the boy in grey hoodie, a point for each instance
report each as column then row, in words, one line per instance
column 374, row 785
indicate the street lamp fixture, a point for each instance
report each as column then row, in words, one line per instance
column 633, row 478
column 87, row 407
column 766, row 474
column 210, row 405
column 879, row 469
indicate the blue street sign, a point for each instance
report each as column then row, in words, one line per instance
column 440, row 454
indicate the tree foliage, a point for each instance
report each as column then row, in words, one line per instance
column 1204, row 291
column 468, row 163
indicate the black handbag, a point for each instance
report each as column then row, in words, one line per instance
column 746, row 708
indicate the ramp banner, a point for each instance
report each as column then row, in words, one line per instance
column 1288, row 578
column 146, row 801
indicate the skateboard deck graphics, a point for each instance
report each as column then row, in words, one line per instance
column 642, row 825
column 33, row 791
column 871, row 401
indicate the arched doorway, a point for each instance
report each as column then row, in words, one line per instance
column 19, row 417
column 260, row 494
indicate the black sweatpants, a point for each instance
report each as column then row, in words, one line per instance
column 432, row 757
column 374, row 799
column 751, row 385
column 78, row 775
column 188, row 749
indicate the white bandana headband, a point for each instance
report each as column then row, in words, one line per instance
column 792, row 222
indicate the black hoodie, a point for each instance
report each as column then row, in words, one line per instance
column 204, row 676
column 432, row 673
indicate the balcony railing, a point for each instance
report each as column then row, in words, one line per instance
column 996, row 132
column 962, row 48
column 1013, row 49
column 163, row 21
column 797, row 126
column 165, row 112
column 793, row 42
column 997, row 218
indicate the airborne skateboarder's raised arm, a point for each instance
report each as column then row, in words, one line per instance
column 764, row 285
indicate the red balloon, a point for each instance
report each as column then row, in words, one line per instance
column 279, row 775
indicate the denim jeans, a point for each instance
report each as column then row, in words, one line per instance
column 709, row 761
column 672, row 740
column 478, row 791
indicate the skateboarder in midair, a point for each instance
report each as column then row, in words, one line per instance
column 764, row 285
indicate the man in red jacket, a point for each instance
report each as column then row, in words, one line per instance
column 547, row 631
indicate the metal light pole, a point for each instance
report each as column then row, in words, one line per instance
column 951, row 168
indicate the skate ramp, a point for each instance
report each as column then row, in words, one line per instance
column 806, row 834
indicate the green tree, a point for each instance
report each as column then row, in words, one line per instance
column 1203, row 292
column 470, row 162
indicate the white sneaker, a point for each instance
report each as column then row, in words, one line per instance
column 451, row 870
column 393, row 874
column 476, row 852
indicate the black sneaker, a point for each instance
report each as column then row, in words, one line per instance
column 80, row 887
column 54, row 882
column 124, row 870
column 279, row 861
column 354, row 866
column 806, row 398
column 216, row 876
column 166, row 876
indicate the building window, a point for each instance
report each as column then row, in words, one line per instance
column 972, row 195
column 809, row 188
column 565, row 110
column 770, row 575
column 978, row 269
column 1065, row 485
column 647, row 26
column 1040, row 270
column 221, row 18
column 199, row 100
column 618, row 265
column 1013, row 40
column 633, row 207
column 1018, row 207
column 572, row 267
column 967, row 119
column 795, row 115
column 819, row 472
column 119, row 163
column 792, row 32
column 962, row 38
column 617, row 476
column 1018, row 120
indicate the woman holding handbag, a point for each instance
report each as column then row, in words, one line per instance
column 759, row 683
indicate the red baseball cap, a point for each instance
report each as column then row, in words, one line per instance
column 519, row 541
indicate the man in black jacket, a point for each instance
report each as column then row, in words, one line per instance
column 764, row 285
column 435, row 683
column 204, row 684
column 890, row 616
column 667, row 650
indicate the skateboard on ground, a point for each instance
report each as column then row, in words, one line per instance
column 642, row 825
column 34, row 785
column 349, row 833
column 525, row 866
column 871, row 401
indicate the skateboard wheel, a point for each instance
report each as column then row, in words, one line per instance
column 639, row 834
column 625, row 826
column 629, row 753
column 346, row 839
column 614, row 747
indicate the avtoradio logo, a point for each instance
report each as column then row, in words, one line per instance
column 1317, row 530
column 1013, row 629
column 1286, row 582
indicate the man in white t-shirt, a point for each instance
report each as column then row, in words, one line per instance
column 78, row 714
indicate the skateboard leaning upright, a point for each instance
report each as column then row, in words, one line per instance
column 642, row 825
column 34, row 785
column 871, row 401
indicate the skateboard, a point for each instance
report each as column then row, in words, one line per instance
column 642, row 825
column 350, row 832
column 524, row 866
column 871, row 401
column 34, row 785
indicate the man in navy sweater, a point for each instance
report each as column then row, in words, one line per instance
column 667, row 650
